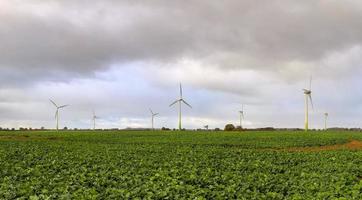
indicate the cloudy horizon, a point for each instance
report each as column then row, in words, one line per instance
column 121, row 58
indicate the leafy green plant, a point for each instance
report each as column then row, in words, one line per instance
column 188, row 165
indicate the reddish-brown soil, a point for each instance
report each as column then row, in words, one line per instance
column 25, row 138
column 352, row 145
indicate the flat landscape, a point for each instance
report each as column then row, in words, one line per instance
column 187, row 165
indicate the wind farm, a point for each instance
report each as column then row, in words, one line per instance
column 308, row 103
column 180, row 100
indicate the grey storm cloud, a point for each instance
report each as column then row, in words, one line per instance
column 122, row 57
column 42, row 37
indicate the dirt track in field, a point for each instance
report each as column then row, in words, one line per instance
column 25, row 138
column 352, row 145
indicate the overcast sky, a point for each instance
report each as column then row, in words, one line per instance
column 121, row 58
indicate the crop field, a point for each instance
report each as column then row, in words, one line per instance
column 180, row 165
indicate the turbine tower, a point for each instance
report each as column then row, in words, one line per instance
column 241, row 112
column 308, row 98
column 325, row 120
column 153, row 116
column 180, row 101
column 57, row 112
column 94, row 117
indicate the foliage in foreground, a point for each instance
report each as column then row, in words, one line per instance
column 189, row 165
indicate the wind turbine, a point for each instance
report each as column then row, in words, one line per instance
column 241, row 112
column 206, row 127
column 308, row 98
column 325, row 120
column 57, row 112
column 153, row 116
column 180, row 101
column 94, row 117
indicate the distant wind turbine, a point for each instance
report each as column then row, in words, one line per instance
column 308, row 98
column 94, row 117
column 206, row 127
column 325, row 120
column 57, row 112
column 152, row 117
column 180, row 101
column 241, row 112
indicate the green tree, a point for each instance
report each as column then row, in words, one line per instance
column 229, row 127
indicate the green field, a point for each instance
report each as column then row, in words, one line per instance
column 174, row 165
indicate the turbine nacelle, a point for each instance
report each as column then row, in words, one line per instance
column 307, row 92
column 153, row 114
column 58, row 107
column 325, row 120
column 94, row 115
column 241, row 113
column 180, row 101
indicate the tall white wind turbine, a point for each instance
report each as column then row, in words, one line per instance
column 94, row 117
column 180, row 101
column 308, row 98
column 241, row 112
column 57, row 112
column 325, row 120
column 153, row 115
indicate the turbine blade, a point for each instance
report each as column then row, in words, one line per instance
column 151, row 111
column 242, row 114
column 174, row 103
column 310, row 83
column 311, row 101
column 155, row 114
column 186, row 103
column 180, row 91
column 63, row 106
column 53, row 103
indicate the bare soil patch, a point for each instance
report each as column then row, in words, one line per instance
column 25, row 138
column 352, row 145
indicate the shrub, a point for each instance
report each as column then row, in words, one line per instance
column 229, row 127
